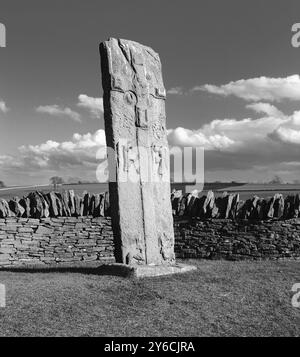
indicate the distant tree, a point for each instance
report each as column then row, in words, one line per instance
column 55, row 181
column 2, row 185
column 73, row 180
column 277, row 180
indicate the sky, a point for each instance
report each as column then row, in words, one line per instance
column 230, row 70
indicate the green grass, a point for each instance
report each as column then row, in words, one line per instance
column 221, row 298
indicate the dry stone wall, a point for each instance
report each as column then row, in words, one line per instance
column 227, row 206
column 230, row 206
column 237, row 239
column 49, row 230
column 55, row 241
column 56, row 204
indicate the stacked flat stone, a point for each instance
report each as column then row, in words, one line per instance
column 68, row 204
column 55, row 204
column 55, row 241
column 237, row 239
column 230, row 206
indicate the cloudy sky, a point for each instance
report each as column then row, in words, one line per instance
column 231, row 74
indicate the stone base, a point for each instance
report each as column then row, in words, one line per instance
column 141, row 271
column 158, row 270
column 116, row 269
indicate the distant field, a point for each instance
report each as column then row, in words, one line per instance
column 248, row 190
column 20, row 192
column 245, row 190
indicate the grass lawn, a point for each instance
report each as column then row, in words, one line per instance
column 221, row 298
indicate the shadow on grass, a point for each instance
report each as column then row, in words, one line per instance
column 104, row 269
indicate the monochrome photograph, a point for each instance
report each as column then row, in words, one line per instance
column 150, row 171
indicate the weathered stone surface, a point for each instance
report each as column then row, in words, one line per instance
column 106, row 204
column 278, row 206
column 25, row 203
column 55, row 241
column 208, row 204
column 275, row 206
column 229, row 201
column 4, row 209
column 77, row 200
column 221, row 203
column 237, row 240
column 72, row 202
column 52, row 198
column 175, row 198
column 86, row 203
column 135, row 125
column 15, row 207
column 182, row 205
column 288, row 207
column 36, row 206
column 25, row 242
column 97, row 200
column 260, row 209
column 191, row 202
column 101, row 207
column 65, row 203
column 59, row 204
column 234, row 206
column 92, row 205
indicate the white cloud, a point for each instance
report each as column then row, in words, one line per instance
column 186, row 137
column 36, row 163
column 225, row 134
column 265, row 108
column 175, row 91
column 243, row 147
column 81, row 150
column 94, row 105
column 287, row 135
column 257, row 89
column 3, row 107
column 289, row 130
column 250, row 146
column 58, row 111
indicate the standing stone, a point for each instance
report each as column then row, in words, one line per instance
column 106, row 204
column 77, row 201
column 175, row 201
column 234, row 206
column 209, row 203
column 25, row 203
column 72, row 202
column 278, row 206
column 96, row 212
column 135, row 126
column 101, row 206
column 65, row 203
column 15, row 207
column 4, row 208
column 86, row 203
column 182, row 205
column 191, row 200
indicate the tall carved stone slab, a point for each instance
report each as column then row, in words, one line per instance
column 135, row 126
